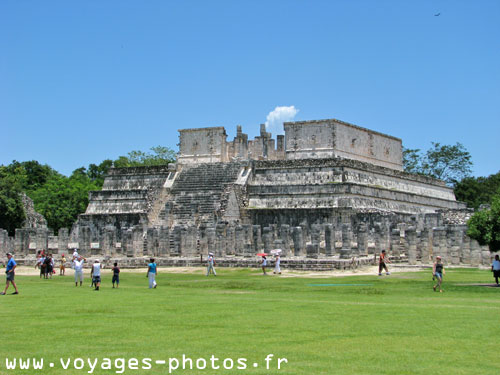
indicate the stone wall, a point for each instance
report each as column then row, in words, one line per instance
column 417, row 239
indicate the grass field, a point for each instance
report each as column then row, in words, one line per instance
column 390, row 325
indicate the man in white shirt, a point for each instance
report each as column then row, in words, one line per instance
column 78, row 267
column 75, row 254
column 96, row 274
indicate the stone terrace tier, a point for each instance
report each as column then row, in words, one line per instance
column 344, row 183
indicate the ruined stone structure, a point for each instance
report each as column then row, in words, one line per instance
column 325, row 191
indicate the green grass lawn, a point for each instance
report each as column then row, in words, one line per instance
column 396, row 325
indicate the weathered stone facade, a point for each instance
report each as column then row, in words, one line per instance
column 327, row 191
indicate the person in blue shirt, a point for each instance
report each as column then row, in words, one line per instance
column 10, row 272
column 152, row 271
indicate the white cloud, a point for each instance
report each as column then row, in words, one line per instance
column 276, row 118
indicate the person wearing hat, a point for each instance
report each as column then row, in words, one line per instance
column 211, row 264
column 382, row 260
column 277, row 269
column 96, row 274
column 438, row 272
column 10, row 273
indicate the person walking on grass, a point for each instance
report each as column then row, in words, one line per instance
column 10, row 273
column 211, row 264
column 78, row 267
column 438, row 273
column 96, row 274
column 151, row 275
column 383, row 259
column 495, row 268
column 116, row 275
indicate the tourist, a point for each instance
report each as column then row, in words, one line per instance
column 46, row 266
column 10, row 272
column 263, row 264
column 438, row 272
column 62, row 267
column 277, row 269
column 96, row 274
column 75, row 253
column 151, row 275
column 38, row 257
column 116, row 275
column 383, row 259
column 78, row 267
column 40, row 260
column 50, row 265
column 211, row 264
column 495, row 268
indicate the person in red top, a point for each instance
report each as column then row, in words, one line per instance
column 382, row 263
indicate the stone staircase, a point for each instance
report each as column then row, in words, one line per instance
column 198, row 191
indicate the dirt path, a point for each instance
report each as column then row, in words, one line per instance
column 368, row 270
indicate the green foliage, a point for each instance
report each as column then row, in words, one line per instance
column 11, row 207
column 444, row 162
column 476, row 191
column 159, row 156
column 62, row 198
column 484, row 226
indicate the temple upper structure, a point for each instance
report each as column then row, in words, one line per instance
column 318, row 139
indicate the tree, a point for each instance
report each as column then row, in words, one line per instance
column 63, row 198
column 12, row 213
column 160, row 155
column 448, row 163
column 484, row 226
column 476, row 191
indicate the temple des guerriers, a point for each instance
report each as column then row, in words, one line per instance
column 324, row 192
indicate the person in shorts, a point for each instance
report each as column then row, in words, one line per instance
column 62, row 267
column 116, row 275
column 263, row 264
column 78, row 267
column 382, row 260
column 151, row 275
column 438, row 273
column 96, row 274
column 10, row 273
column 495, row 268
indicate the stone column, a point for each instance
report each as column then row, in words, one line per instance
column 329, row 240
column 411, row 241
column 230, row 240
column 455, row 242
column 465, row 249
column 220, row 244
column 176, row 241
column 257, row 240
column 395, row 243
column 426, row 249
column 345, row 252
column 248, row 246
column 298, row 241
column 285, row 237
column 267, row 239
column 315, row 239
column 439, row 243
column 239, row 240
column 164, row 241
column 63, row 240
column 362, row 240
column 211, row 240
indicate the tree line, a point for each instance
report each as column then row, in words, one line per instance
column 59, row 198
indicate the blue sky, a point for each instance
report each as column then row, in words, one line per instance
column 84, row 81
